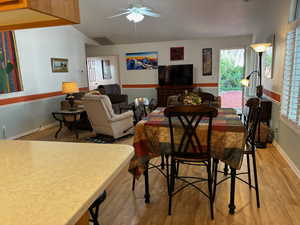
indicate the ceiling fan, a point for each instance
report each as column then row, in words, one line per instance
column 136, row 13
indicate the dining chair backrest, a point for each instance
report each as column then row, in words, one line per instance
column 152, row 105
column 187, row 118
column 252, row 104
column 206, row 97
column 251, row 132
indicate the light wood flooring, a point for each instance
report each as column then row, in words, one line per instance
column 279, row 190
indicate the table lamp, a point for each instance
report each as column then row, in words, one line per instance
column 260, row 48
column 69, row 88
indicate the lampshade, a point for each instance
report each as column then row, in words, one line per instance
column 260, row 47
column 245, row 82
column 69, row 87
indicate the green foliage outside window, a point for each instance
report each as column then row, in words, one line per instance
column 231, row 74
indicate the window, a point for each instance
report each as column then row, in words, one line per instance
column 290, row 106
column 294, row 10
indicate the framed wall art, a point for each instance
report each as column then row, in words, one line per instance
column 142, row 61
column 10, row 75
column 207, row 61
column 60, row 65
column 106, row 69
column 177, row 53
column 268, row 60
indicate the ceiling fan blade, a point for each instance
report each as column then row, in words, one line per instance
column 121, row 14
column 148, row 13
column 145, row 8
column 123, row 9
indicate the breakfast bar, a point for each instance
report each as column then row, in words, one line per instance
column 53, row 183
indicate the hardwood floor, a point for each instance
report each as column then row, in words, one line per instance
column 279, row 190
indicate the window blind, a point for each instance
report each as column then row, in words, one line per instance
column 290, row 106
column 297, row 10
column 295, row 82
column 288, row 70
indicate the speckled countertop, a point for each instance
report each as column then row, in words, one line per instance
column 54, row 183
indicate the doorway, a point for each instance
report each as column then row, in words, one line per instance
column 102, row 70
column 232, row 69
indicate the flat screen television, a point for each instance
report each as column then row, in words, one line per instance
column 175, row 75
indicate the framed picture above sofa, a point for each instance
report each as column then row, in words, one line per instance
column 60, row 65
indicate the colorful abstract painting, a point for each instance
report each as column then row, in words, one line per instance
column 142, row 61
column 10, row 77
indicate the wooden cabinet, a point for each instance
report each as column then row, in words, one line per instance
column 22, row 14
column 164, row 92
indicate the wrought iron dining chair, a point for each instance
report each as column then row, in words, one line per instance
column 152, row 105
column 252, row 104
column 250, row 149
column 247, row 118
column 94, row 209
column 190, row 147
column 206, row 97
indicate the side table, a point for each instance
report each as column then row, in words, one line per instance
column 69, row 119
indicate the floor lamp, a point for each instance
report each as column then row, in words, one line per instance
column 259, row 48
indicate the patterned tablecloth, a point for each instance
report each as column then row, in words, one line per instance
column 152, row 138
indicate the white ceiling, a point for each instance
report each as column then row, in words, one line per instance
column 180, row 19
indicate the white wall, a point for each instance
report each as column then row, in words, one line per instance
column 193, row 55
column 277, row 22
column 35, row 48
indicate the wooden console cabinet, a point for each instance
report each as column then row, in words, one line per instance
column 22, row 14
column 164, row 92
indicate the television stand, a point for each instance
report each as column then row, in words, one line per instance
column 163, row 92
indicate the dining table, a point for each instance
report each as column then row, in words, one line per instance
column 55, row 183
column 152, row 139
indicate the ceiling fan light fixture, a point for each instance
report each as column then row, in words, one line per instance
column 135, row 17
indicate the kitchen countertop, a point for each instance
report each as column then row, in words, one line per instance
column 54, row 183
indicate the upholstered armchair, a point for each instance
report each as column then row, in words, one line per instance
column 103, row 119
column 117, row 99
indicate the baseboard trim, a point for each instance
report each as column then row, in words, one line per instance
column 287, row 158
column 33, row 131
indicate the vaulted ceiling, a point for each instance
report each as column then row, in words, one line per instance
column 180, row 19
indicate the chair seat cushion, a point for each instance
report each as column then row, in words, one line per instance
column 191, row 157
